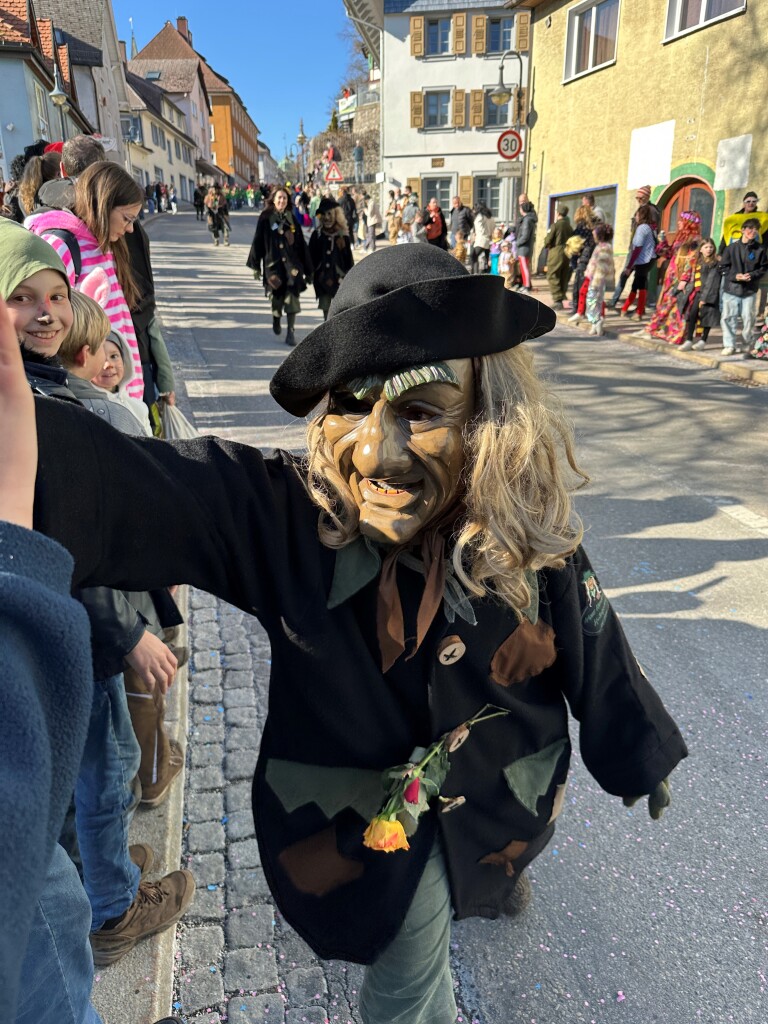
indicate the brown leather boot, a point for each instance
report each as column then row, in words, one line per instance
column 143, row 856
column 158, row 905
column 161, row 758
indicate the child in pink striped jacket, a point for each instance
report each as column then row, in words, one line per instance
column 107, row 202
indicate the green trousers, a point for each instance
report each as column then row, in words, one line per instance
column 288, row 302
column 411, row 981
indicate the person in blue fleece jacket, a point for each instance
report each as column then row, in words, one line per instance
column 46, row 684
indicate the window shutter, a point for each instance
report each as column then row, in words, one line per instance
column 479, row 23
column 415, row 186
column 521, row 110
column 460, row 33
column 465, row 190
column 417, row 37
column 523, row 32
column 477, row 108
column 417, row 110
column 459, row 108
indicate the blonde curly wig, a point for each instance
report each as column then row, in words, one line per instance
column 519, row 476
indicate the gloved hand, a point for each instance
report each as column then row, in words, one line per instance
column 658, row 800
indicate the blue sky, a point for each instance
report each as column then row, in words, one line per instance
column 285, row 60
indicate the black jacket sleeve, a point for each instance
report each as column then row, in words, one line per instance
column 628, row 740
column 138, row 513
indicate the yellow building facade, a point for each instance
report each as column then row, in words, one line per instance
column 666, row 93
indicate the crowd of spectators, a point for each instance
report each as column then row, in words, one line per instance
column 78, row 300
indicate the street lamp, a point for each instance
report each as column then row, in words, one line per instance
column 58, row 97
column 302, row 140
column 502, row 93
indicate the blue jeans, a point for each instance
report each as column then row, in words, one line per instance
column 57, row 972
column 735, row 306
column 105, row 800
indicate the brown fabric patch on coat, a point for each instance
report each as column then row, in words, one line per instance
column 315, row 866
column 505, row 858
column 525, row 653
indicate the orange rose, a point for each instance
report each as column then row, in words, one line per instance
column 385, row 835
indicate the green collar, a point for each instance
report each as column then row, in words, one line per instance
column 359, row 563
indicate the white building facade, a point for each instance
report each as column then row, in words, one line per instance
column 269, row 171
column 440, row 129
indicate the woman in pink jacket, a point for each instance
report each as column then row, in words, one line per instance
column 90, row 237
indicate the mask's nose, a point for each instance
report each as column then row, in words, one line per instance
column 381, row 451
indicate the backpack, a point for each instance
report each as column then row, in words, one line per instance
column 71, row 242
column 433, row 229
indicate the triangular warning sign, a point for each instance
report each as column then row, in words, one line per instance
column 334, row 174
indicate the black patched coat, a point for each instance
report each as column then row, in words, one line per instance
column 332, row 260
column 241, row 526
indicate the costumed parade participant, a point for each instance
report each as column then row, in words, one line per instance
column 431, row 612
column 279, row 249
column 330, row 251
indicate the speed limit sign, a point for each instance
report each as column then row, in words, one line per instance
column 510, row 144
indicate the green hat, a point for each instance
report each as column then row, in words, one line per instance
column 23, row 254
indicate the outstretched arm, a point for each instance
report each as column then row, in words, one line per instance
column 140, row 514
column 18, row 451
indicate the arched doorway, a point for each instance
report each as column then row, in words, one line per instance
column 687, row 194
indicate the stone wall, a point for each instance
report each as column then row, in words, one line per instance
column 365, row 127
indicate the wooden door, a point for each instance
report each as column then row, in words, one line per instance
column 692, row 195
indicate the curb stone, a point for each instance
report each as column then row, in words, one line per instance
column 729, row 369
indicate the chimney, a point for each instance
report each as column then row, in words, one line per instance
column 182, row 27
column 123, row 52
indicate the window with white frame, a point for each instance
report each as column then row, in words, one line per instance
column 686, row 15
column 592, row 32
column 42, row 111
column 500, row 34
column 437, row 108
column 438, row 36
column 495, row 117
column 487, row 193
column 439, row 189
column 155, row 135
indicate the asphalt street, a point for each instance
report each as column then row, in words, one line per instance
column 632, row 920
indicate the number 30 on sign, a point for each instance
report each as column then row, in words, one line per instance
column 510, row 144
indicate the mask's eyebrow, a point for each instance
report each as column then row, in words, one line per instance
column 362, row 386
column 397, row 385
column 429, row 373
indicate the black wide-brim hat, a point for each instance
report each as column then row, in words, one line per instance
column 326, row 204
column 405, row 306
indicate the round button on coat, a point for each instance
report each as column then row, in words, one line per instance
column 450, row 650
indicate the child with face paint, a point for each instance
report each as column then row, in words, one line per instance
column 420, row 562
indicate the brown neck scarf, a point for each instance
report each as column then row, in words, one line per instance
column 390, row 627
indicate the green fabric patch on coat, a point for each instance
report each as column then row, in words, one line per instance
column 530, row 777
column 356, row 565
column 332, row 789
column 532, row 611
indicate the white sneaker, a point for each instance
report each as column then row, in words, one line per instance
column 599, row 326
column 686, row 346
column 728, row 352
column 700, row 345
column 575, row 319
